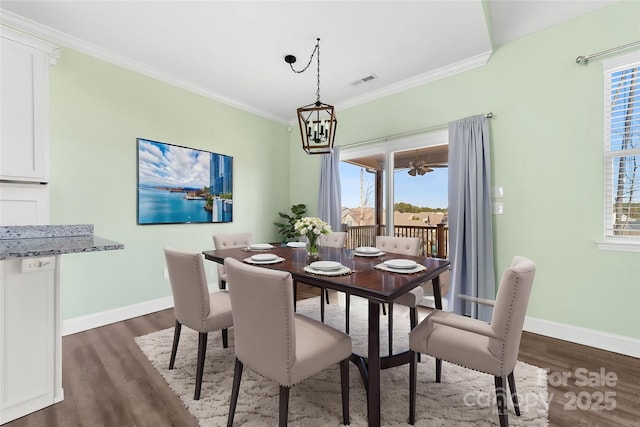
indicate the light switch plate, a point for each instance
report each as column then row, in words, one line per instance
column 497, row 192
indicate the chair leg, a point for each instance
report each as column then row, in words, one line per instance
column 223, row 285
column 284, row 406
column 344, row 381
column 438, row 370
column 225, row 338
column 413, row 374
column 322, row 305
column 347, row 313
column 514, row 393
column 384, row 309
column 202, row 351
column 237, row 376
column 501, row 400
column 390, row 328
column 326, row 293
column 176, row 339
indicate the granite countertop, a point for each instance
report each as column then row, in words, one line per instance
column 44, row 240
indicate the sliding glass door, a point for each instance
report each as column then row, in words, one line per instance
column 397, row 188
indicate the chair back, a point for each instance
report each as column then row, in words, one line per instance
column 189, row 287
column 399, row 245
column 335, row 239
column 263, row 320
column 509, row 310
column 230, row 241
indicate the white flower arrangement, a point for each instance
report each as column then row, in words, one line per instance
column 311, row 227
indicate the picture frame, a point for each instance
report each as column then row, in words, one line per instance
column 182, row 185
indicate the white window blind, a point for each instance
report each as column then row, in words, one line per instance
column 622, row 149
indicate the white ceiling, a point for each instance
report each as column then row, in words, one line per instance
column 233, row 51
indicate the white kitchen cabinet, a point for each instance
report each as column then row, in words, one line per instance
column 30, row 316
column 30, row 339
column 24, row 126
column 24, row 204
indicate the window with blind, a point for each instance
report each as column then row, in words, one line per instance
column 622, row 152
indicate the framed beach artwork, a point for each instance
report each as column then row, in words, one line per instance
column 181, row 185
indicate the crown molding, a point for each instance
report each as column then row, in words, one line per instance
column 35, row 29
column 10, row 32
column 54, row 36
column 413, row 82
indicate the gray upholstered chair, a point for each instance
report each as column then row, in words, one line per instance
column 486, row 347
column 405, row 246
column 194, row 307
column 335, row 239
column 275, row 342
column 229, row 241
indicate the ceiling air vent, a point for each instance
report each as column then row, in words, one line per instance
column 365, row 79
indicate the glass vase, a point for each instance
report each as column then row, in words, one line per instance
column 312, row 249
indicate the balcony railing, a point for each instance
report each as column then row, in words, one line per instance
column 434, row 238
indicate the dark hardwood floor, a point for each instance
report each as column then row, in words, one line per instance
column 107, row 381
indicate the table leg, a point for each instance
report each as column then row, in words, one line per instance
column 373, row 397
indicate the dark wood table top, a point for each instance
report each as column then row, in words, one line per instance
column 365, row 280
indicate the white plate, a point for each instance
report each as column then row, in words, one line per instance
column 264, row 257
column 339, row 272
column 367, row 250
column 271, row 261
column 260, row 246
column 415, row 269
column 325, row 265
column 400, row 264
column 371, row 255
column 297, row 244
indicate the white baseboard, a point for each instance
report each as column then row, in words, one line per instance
column 95, row 320
column 90, row 321
column 590, row 337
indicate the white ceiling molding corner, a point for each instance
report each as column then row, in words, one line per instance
column 423, row 79
column 17, row 23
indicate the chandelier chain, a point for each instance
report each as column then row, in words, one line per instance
column 315, row 50
column 318, row 91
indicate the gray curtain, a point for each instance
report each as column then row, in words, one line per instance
column 329, row 198
column 470, row 229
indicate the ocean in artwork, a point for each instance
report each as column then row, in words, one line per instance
column 161, row 206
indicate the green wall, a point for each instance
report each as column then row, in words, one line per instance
column 547, row 148
column 97, row 112
column 546, row 144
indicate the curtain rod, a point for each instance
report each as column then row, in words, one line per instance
column 408, row 133
column 585, row 59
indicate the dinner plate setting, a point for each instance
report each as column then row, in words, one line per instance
column 368, row 251
column 264, row 259
column 327, row 268
column 260, row 247
column 296, row 244
column 405, row 266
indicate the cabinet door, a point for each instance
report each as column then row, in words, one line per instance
column 24, row 204
column 29, row 336
column 24, row 135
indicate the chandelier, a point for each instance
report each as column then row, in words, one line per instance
column 317, row 121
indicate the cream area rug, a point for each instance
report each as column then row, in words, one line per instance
column 464, row 398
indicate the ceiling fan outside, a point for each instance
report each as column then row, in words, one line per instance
column 421, row 167
column 418, row 167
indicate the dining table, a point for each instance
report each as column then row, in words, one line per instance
column 365, row 275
